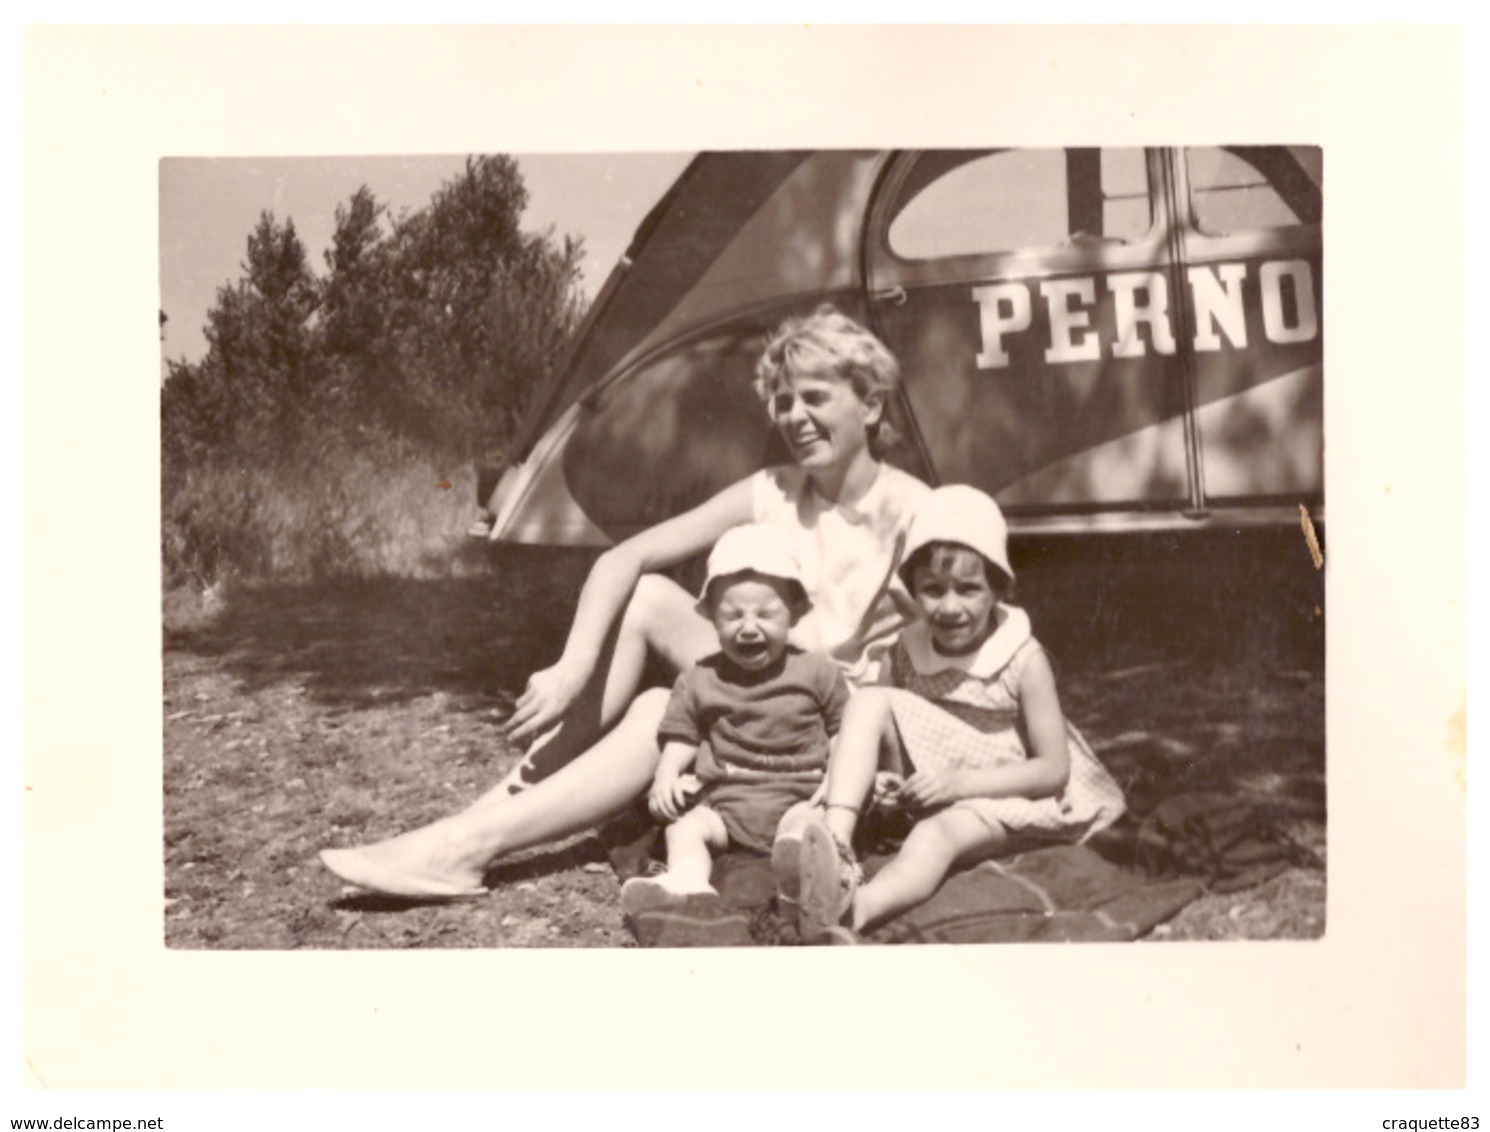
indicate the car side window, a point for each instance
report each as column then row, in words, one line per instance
column 971, row 202
column 1253, row 188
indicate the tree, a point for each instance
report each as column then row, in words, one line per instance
column 353, row 296
column 422, row 343
column 464, row 314
column 261, row 362
column 281, row 296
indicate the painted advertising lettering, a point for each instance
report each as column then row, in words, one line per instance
column 1142, row 321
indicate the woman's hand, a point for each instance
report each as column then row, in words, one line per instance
column 607, row 590
column 927, row 789
column 549, row 694
column 669, row 796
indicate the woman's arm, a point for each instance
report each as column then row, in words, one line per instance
column 606, row 591
column 1042, row 775
column 615, row 572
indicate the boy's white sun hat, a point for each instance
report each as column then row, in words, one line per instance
column 964, row 515
column 756, row 548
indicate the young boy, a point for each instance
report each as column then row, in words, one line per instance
column 753, row 720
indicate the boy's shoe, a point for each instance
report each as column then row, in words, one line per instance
column 647, row 894
column 830, row 877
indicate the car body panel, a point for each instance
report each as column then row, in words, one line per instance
column 1158, row 371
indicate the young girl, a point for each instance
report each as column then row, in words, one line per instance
column 752, row 720
column 968, row 710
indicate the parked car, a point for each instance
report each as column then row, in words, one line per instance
column 1106, row 339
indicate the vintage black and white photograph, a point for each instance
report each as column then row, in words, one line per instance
column 744, row 548
column 810, row 557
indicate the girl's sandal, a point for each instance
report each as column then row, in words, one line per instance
column 830, row 877
column 786, row 856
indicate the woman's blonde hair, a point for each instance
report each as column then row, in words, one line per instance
column 827, row 343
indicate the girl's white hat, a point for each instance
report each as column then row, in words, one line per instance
column 756, row 548
column 964, row 515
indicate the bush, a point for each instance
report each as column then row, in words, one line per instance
column 317, row 437
column 318, row 515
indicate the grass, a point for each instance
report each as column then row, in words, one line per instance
column 330, row 514
column 323, row 713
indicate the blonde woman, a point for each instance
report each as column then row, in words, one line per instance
column 825, row 381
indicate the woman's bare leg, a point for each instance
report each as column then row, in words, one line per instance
column 660, row 618
column 449, row 856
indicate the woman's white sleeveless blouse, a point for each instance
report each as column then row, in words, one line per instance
column 848, row 555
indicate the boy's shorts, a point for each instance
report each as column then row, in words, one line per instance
column 751, row 811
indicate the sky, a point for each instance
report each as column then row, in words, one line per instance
column 208, row 206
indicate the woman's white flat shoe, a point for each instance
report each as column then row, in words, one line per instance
column 357, row 868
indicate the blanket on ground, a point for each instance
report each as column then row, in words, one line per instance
column 1057, row 893
column 1120, row 887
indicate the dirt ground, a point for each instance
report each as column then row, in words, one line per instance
column 302, row 717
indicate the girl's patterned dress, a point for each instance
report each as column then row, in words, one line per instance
column 964, row 712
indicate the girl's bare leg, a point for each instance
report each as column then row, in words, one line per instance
column 659, row 618
column 868, row 727
column 449, row 856
column 934, row 846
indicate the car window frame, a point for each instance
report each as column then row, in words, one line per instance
column 1298, row 239
column 887, row 268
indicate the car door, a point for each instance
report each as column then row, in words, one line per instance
column 1027, row 294
column 1250, row 217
